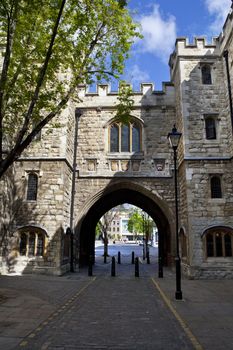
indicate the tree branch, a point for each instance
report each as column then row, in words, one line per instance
column 11, row 23
column 41, row 77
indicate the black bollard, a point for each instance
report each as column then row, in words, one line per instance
column 148, row 258
column 113, row 269
column 132, row 258
column 136, row 267
column 90, row 265
column 160, row 267
column 119, row 258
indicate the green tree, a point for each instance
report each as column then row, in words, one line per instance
column 135, row 223
column 48, row 48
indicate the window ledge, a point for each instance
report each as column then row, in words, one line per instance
column 217, row 200
column 219, row 259
column 125, row 155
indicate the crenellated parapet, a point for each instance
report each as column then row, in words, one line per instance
column 105, row 96
column 200, row 48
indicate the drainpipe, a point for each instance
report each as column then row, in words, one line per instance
column 225, row 55
column 78, row 114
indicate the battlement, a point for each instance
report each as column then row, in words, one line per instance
column 199, row 48
column 226, row 30
column 104, row 90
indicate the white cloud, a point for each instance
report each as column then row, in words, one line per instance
column 136, row 76
column 159, row 34
column 219, row 10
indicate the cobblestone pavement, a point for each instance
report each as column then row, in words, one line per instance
column 123, row 312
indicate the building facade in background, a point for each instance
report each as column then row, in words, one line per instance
column 132, row 163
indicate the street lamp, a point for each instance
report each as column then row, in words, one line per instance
column 174, row 138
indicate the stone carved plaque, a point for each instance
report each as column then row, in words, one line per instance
column 125, row 165
column 91, row 164
column 114, row 165
column 136, row 165
column 159, row 164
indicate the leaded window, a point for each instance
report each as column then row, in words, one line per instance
column 114, row 138
column 219, row 242
column 216, row 189
column 210, row 128
column 206, row 75
column 125, row 137
column 40, row 244
column 32, row 187
column 23, row 244
column 31, row 242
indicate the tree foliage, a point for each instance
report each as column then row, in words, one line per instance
column 135, row 223
column 140, row 222
column 48, row 48
column 126, row 102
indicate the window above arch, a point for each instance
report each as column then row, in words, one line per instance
column 206, row 74
column 219, row 242
column 125, row 137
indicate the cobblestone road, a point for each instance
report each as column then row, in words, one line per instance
column 123, row 312
column 110, row 313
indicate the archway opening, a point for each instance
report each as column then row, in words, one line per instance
column 109, row 200
column 126, row 229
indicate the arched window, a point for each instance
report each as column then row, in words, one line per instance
column 210, row 128
column 206, row 74
column 125, row 137
column 218, row 242
column 215, row 184
column 32, row 187
column 31, row 242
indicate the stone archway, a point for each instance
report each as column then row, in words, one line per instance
column 116, row 194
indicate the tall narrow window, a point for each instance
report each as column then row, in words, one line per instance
column 31, row 244
column 209, row 245
column 32, row 187
column 206, row 75
column 23, row 244
column 228, row 245
column 40, row 244
column 216, row 190
column 218, row 243
column 114, row 138
column 136, row 138
column 125, row 146
column 210, row 128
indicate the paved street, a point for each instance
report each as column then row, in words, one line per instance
column 123, row 312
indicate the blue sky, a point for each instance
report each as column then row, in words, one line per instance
column 162, row 21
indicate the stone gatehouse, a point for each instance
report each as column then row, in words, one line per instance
column 71, row 176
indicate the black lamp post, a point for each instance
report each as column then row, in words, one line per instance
column 174, row 138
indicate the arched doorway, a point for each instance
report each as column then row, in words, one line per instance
column 119, row 194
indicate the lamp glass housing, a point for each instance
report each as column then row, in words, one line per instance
column 174, row 137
